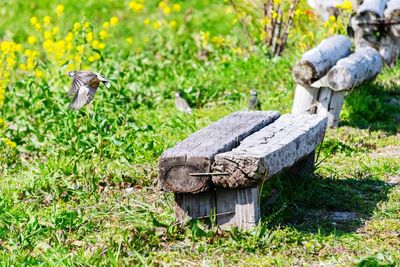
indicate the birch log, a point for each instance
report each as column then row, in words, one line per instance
column 304, row 100
column 390, row 43
column 179, row 167
column 317, row 62
column 267, row 152
column 363, row 65
column 366, row 24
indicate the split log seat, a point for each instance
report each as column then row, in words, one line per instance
column 217, row 171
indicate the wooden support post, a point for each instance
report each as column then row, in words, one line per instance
column 335, row 107
column 200, row 205
column 390, row 42
column 324, row 99
column 238, row 207
column 304, row 100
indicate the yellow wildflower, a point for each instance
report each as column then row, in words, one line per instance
column 9, row 143
column 31, row 39
column 102, row 45
column 38, row 74
column 136, row 6
column 95, row 44
column 80, row 49
column 172, row 24
column 2, row 123
column 18, row 47
column 89, row 36
column 69, row 37
column 86, row 25
column 166, row 10
column 47, row 35
column 346, row 5
column 47, row 20
column 59, row 10
column 34, row 20
column 55, row 30
column 22, row 66
column 38, row 26
column 146, row 22
column 114, row 21
column 77, row 26
column 274, row 15
column 129, row 40
column 204, row 36
column 156, row 25
column 106, row 25
column 162, row 4
column 103, row 34
column 176, row 7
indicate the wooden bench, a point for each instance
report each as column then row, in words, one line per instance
column 217, row 171
column 325, row 73
column 376, row 24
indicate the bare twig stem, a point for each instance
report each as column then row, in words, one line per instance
column 288, row 26
column 244, row 26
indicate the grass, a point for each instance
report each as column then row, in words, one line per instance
column 80, row 188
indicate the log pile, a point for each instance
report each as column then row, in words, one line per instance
column 325, row 73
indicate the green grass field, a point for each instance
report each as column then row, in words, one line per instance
column 80, row 186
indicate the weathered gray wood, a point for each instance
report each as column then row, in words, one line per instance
column 356, row 4
column 363, row 65
column 324, row 99
column 304, row 100
column 315, row 63
column 196, row 153
column 325, row 8
column 270, row 150
column 188, row 205
column 365, row 23
column 238, row 207
column 335, row 107
column 390, row 42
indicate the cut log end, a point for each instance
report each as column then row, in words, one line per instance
column 304, row 73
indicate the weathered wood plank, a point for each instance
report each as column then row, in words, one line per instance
column 390, row 42
column 196, row 153
column 317, row 62
column 188, row 205
column 270, row 150
column 304, row 100
column 363, row 65
column 238, row 207
column 335, row 108
column 365, row 23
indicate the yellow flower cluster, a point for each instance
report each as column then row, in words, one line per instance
column 8, row 51
column 9, row 143
column 167, row 9
column 136, row 6
column 346, row 5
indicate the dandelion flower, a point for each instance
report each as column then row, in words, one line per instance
column 114, row 21
column 59, row 10
column 47, row 20
column 176, row 7
column 31, row 39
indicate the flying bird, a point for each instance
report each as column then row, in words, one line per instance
column 181, row 104
column 84, row 87
column 254, row 103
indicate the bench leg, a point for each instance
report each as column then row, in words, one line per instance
column 304, row 100
column 303, row 168
column 200, row 205
column 238, row 207
column 335, row 107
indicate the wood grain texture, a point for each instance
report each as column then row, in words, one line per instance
column 269, row 151
column 390, row 42
column 375, row 6
column 324, row 99
column 363, row 65
column 315, row 63
column 196, row 153
column 305, row 100
column 238, row 207
column 188, row 205
column 335, row 108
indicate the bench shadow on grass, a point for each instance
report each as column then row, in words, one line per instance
column 322, row 204
column 372, row 106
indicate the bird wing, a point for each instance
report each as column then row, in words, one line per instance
column 81, row 78
column 84, row 96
